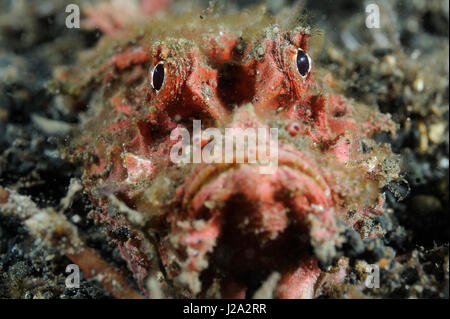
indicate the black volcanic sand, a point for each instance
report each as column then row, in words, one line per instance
column 401, row 68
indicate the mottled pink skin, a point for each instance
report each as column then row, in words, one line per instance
column 299, row 282
column 267, row 209
column 277, row 82
column 230, row 219
column 187, row 77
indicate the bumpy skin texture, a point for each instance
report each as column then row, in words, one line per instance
column 219, row 230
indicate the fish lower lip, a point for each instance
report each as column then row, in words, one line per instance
column 286, row 158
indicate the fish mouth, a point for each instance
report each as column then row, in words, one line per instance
column 232, row 218
column 291, row 159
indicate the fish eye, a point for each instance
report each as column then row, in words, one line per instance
column 303, row 63
column 158, row 74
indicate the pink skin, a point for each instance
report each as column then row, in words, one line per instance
column 299, row 283
column 217, row 208
column 277, row 81
column 190, row 86
column 270, row 221
column 267, row 222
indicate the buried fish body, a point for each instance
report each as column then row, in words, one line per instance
column 221, row 229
